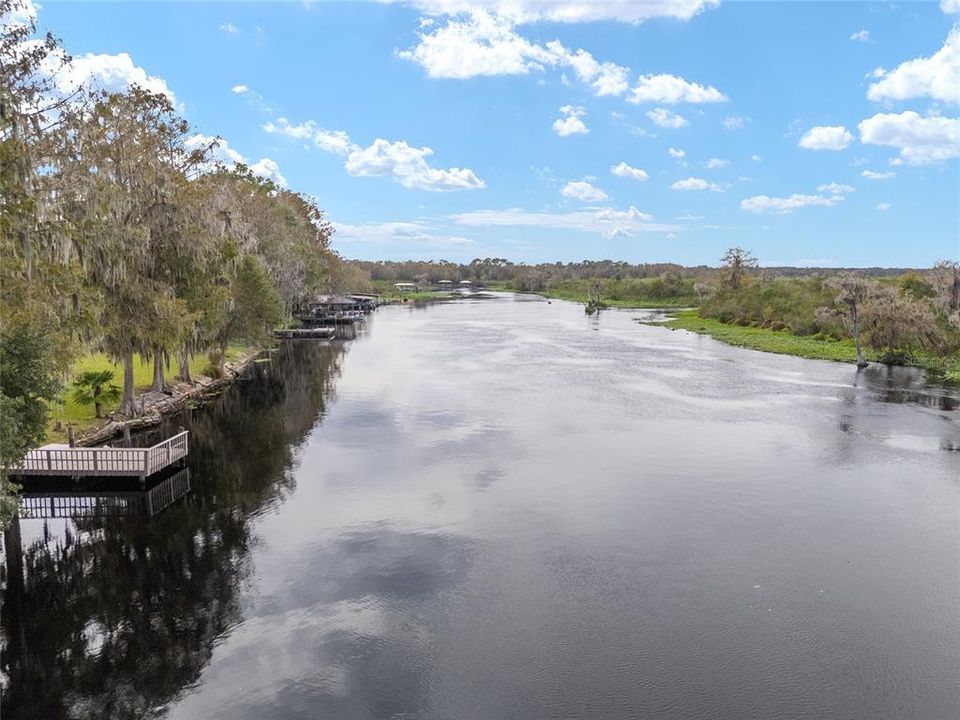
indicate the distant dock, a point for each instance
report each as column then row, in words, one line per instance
column 65, row 461
column 314, row 332
column 331, row 316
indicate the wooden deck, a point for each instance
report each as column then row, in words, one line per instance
column 317, row 332
column 103, row 461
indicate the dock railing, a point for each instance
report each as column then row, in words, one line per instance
column 97, row 462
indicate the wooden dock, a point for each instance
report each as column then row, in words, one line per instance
column 61, row 460
column 314, row 332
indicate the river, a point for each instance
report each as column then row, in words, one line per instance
column 506, row 509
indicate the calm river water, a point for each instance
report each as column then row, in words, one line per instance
column 505, row 509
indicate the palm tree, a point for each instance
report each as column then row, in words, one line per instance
column 93, row 387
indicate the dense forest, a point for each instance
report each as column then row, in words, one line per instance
column 120, row 234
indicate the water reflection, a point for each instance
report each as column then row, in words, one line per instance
column 517, row 511
column 38, row 500
column 120, row 614
column 896, row 384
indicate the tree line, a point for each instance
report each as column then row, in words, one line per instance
column 893, row 312
column 121, row 233
column 897, row 317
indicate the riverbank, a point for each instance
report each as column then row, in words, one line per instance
column 579, row 296
column 783, row 342
column 152, row 406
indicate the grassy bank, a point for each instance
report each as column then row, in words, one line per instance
column 667, row 291
column 784, row 342
column 580, row 296
column 83, row 417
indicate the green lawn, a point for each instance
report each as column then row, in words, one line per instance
column 942, row 368
column 83, row 416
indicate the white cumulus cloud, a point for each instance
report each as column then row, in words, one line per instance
column 835, row 188
column 676, row 153
column 883, row 206
column 826, row 138
column 569, row 11
column 666, row 119
column 936, row 77
column 861, row 36
column 268, row 168
column 715, row 163
column 874, row 175
column 608, row 222
column 480, row 44
column 583, row 191
column 606, row 78
column 407, row 164
column 570, row 123
column 623, row 170
column 481, row 39
column 333, row 141
column 223, row 154
column 670, row 90
column 695, row 183
column 920, row 140
column 113, row 73
column 403, row 235
column 783, row 205
column 950, row 7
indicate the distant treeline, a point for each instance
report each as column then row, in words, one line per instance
column 536, row 277
column 899, row 314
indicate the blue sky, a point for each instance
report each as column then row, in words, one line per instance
column 543, row 131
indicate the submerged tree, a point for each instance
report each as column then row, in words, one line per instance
column 595, row 297
column 852, row 295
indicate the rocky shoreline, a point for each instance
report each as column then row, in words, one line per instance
column 154, row 406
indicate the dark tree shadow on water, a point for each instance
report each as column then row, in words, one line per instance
column 115, row 618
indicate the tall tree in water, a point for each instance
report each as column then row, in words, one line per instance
column 852, row 296
column 123, row 165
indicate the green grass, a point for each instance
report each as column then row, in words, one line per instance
column 637, row 304
column 942, row 368
column 430, row 295
column 82, row 417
